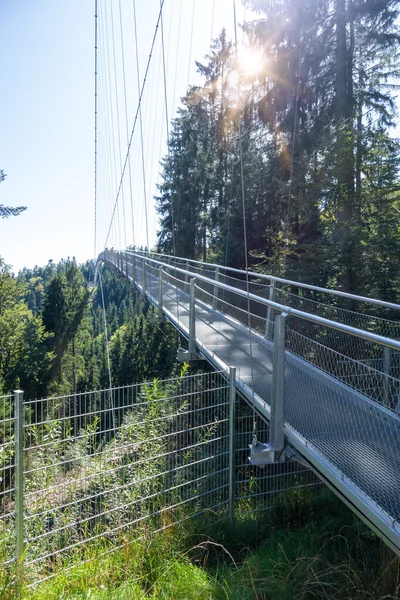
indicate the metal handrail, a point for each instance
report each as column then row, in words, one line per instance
column 366, row 335
column 271, row 278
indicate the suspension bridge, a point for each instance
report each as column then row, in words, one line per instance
column 323, row 375
column 322, row 367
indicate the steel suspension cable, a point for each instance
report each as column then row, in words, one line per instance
column 294, row 134
column 95, row 126
column 169, row 160
column 126, row 118
column 191, row 43
column 141, row 131
column 136, row 116
column 107, row 349
column 245, row 238
column 118, row 120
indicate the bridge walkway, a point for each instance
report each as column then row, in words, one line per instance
column 352, row 441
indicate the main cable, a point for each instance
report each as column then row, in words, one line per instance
column 141, row 131
column 126, row 118
column 294, row 135
column 136, row 117
column 245, row 239
column 95, row 127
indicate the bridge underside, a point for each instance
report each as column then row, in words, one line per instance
column 351, row 441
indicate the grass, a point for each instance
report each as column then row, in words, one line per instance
column 310, row 547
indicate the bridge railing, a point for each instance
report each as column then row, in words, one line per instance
column 371, row 314
column 311, row 299
column 331, row 346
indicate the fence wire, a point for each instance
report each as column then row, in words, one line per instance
column 128, row 461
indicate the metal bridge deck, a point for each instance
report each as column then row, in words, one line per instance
column 349, row 439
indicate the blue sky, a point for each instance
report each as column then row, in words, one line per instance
column 47, row 116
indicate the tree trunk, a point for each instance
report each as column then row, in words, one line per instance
column 345, row 158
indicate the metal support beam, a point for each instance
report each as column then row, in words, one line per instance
column 215, row 292
column 19, row 484
column 386, row 379
column 265, row 454
column 187, row 269
column 276, row 437
column 232, row 440
column 192, row 317
column 134, row 268
column 144, row 278
column 160, row 295
column 268, row 324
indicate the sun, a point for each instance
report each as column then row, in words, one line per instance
column 250, row 62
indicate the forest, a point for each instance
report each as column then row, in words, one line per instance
column 287, row 149
column 53, row 332
column 295, row 131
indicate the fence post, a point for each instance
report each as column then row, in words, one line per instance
column 232, row 440
column 160, row 294
column 215, row 294
column 276, row 436
column 19, row 484
column 187, row 269
column 133, row 269
column 192, row 317
column 268, row 323
column 144, row 279
column 386, row 370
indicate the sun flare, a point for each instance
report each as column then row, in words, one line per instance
column 251, row 62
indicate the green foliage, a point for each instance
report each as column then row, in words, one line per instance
column 24, row 357
column 331, row 555
column 7, row 211
column 320, row 170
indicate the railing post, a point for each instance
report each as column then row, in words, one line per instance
column 232, row 440
column 160, row 294
column 268, row 324
column 144, row 279
column 386, row 370
column 215, row 293
column 133, row 269
column 276, row 436
column 187, row 269
column 19, row 484
column 192, row 317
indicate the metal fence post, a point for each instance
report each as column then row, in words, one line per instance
column 192, row 317
column 144, row 279
column 19, row 484
column 187, row 269
column 386, row 370
column 232, row 441
column 160, row 294
column 276, row 436
column 268, row 324
column 134, row 269
column 215, row 293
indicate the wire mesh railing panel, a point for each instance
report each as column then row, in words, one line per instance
column 328, row 308
column 361, row 376
column 7, row 479
column 352, row 433
column 262, row 489
column 100, row 464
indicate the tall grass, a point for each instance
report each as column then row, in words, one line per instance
column 309, row 547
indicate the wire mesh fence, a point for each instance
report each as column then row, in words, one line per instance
column 127, row 461
column 7, row 479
